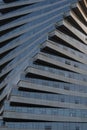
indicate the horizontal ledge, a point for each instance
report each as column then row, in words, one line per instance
column 26, row 85
column 57, row 63
column 61, row 50
column 76, row 19
column 72, row 29
column 25, row 116
column 51, row 75
column 71, row 41
column 44, row 102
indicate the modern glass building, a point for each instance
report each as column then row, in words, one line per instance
column 43, row 64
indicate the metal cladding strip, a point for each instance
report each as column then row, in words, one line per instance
column 19, row 12
column 18, row 3
column 23, row 28
column 11, row 65
column 27, row 18
column 12, row 45
column 24, row 11
column 15, row 53
column 18, row 42
column 5, row 82
column 18, row 59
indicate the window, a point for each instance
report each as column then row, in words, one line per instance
column 75, row 65
column 76, row 102
column 80, row 56
column 77, row 128
column 47, row 127
column 46, row 68
column 66, row 87
column 62, row 99
column 72, row 52
column 65, row 48
column 67, row 62
column 84, row 79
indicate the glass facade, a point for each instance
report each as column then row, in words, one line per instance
column 43, row 72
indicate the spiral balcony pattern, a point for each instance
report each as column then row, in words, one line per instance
column 43, row 65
